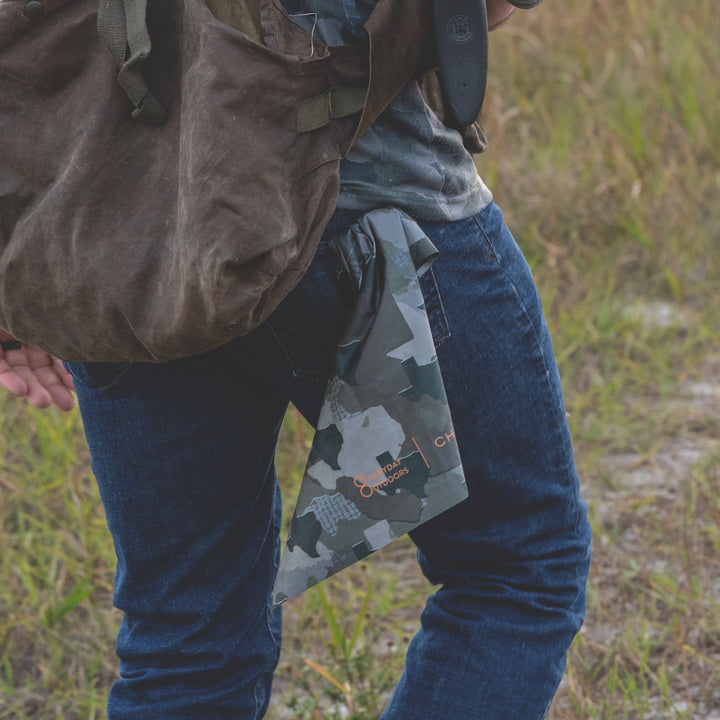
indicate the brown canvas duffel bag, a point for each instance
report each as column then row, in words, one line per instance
column 127, row 241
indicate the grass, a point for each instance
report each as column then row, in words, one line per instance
column 604, row 120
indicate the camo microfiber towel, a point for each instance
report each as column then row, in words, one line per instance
column 384, row 458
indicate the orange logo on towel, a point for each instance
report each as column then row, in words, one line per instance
column 389, row 473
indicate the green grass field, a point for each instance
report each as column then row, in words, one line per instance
column 604, row 122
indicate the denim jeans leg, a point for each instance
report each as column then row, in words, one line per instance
column 183, row 454
column 512, row 560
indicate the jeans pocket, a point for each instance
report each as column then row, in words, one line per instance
column 437, row 318
column 98, row 375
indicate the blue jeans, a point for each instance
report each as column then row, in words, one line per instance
column 183, row 453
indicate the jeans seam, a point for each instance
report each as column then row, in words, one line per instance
column 497, row 259
column 273, row 659
column 259, row 695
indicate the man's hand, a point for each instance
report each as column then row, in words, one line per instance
column 498, row 11
column 28, row 372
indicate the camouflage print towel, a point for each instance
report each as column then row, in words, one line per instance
column 384, row 457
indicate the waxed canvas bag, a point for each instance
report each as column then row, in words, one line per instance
column 132, row 239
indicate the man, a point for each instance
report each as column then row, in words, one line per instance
column 183, row 453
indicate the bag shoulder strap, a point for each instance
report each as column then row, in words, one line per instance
column 394, row 56
column 335, row 103
column 123, row 30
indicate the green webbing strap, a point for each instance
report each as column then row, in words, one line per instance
column 123, row 30
column 334, row 103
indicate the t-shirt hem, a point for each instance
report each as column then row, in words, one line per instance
column 451, row 210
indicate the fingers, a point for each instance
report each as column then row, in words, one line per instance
column 23, row 381
column 12, row 382
column 62, row 393
column 62, row 397
column 38, row 377
column 48, row 381
column 38, row 396
column 9, row 379
column 65, row 377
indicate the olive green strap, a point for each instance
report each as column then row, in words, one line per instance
column 123, row 30
column 316, row 112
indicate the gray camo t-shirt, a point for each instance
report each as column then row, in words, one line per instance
column 407, row 158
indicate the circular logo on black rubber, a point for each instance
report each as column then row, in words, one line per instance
column 460, row 29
